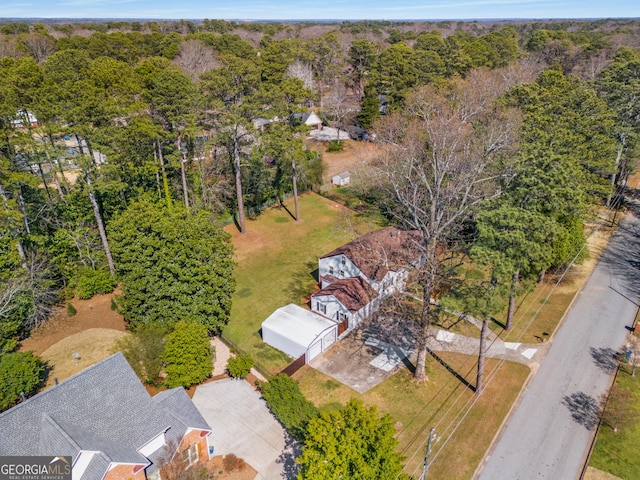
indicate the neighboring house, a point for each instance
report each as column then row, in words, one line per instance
column 24, row 118
column 107, row 422
column 312, row 120
column 356, row 277
column 341, row 179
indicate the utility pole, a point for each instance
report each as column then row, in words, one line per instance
column 426, row 455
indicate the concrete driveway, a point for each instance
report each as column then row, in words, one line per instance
column 243, row 425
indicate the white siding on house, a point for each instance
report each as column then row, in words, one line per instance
column 391, row 283
column 332, row 307
column 154, row 445
column 338, row 266
column 341, row 179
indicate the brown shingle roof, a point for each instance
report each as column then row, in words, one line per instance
column 353, row 293
column 377, row 252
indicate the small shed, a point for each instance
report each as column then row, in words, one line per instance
column 313, row 120
column 341, row 179
column 297, row 331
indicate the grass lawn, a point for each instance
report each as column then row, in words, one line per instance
column 277, row 264
column 617, row 452
column 92, row 346
column 438, row 403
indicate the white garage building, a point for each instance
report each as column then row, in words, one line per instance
column 297, row 331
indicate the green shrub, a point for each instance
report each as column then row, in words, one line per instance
column 71, row 310
column 188, row 355
column 288, row 404
column 239, row 366
column 93, row 282
column 143, row 350
column 335, row 146
column 114, row 305
column 20, row 372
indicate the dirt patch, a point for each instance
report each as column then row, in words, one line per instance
column 595, row 474
column 353, row 154
column 93, row 313
column 230, row 467
column 79, row 351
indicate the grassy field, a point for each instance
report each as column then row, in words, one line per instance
column 438, row 403
column 277, row 264
column 617, row 452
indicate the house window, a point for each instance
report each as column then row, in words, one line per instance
column 344, row 261
column 342, row 316
column 330, row 269
column 342, row 273
column 190, row 456
column 321, row 307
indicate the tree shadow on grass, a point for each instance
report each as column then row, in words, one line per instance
column 606, row 359
column 584, row 409
column 452, row 371
column 299, row 287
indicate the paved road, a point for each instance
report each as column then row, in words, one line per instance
column 549, row 433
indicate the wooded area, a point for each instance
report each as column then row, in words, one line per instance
column 125, row 146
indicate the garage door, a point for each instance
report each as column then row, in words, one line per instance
column 314, row 350
column 329, row 339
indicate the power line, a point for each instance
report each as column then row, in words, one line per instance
column 493, row 373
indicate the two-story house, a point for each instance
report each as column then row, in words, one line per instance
column 104, row 419
column 356, row 277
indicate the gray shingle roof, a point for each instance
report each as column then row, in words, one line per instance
column 180, row 405
column 104, row 408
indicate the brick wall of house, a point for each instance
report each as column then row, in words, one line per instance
column 125, row 472
column 191, row 438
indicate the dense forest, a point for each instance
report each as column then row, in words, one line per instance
column 125, row 146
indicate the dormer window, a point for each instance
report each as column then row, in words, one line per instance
column 330, row 269
column 343, row 261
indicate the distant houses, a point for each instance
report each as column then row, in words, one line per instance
column 341, row 179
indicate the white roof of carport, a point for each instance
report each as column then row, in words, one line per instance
column 297, row 324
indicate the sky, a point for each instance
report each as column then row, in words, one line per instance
column 320, row 9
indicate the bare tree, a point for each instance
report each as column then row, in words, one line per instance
column 40, row 46
column 14, row 231
column 9, row 47
column 99, row 222
column 336, row 105
column 302, row 71
column 195, row 58
column 439, row 162
column 37, row 287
